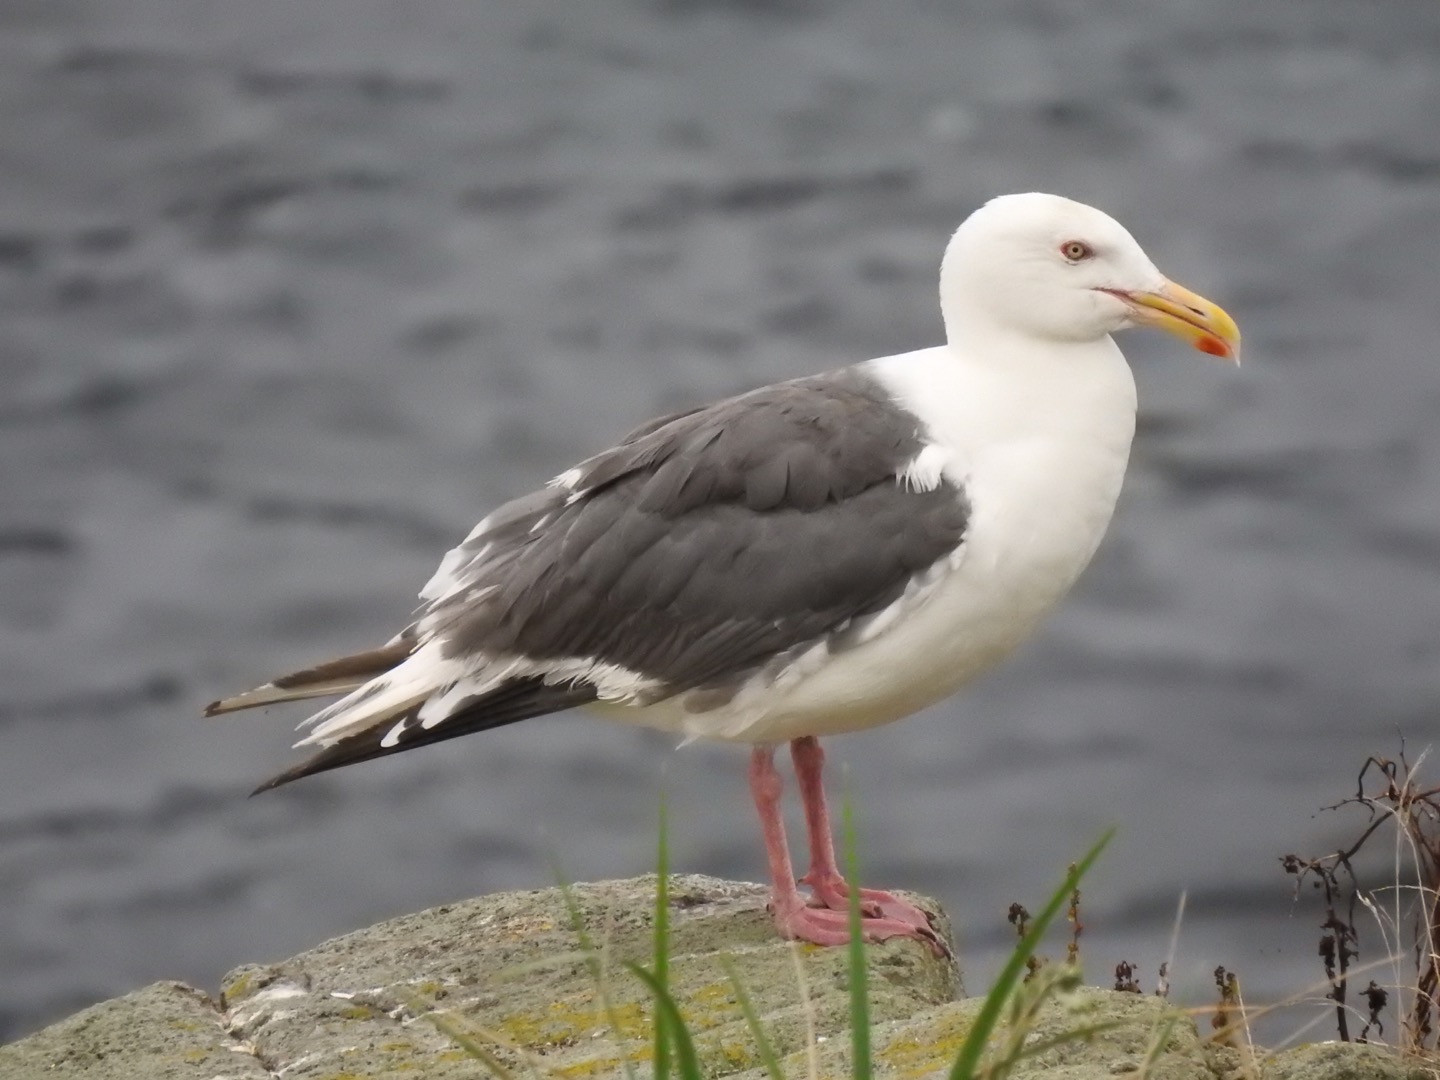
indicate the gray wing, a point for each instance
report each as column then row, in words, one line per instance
column 707, row 543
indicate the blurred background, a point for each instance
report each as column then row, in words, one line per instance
column 293, row 291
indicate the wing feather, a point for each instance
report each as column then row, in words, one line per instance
column 703, row 547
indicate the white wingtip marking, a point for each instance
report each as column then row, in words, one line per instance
column 441, row 705
column 455, row 560
column 925, row 471
column 381, row 699
column 567, row 479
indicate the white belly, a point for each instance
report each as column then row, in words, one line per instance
column 1041, row 497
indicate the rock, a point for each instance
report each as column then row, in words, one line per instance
column 506, row 968
column 926, row 1045
column 167, row 1031
column 1345, row 1061
column 509, row 974
column 509, row 969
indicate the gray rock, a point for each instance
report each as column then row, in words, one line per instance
column 166, row 1031
column 507, row 973
column 507, row 969
column 926, row 1044
column 1345, row 1061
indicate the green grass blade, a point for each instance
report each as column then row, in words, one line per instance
column 860, row 1066
column 661, row 959
column 763, row 1046
column 989, row 1015
column 669, row 1020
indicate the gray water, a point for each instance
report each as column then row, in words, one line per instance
column 293, row 292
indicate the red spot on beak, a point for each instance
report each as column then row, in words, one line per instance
column 1213, row 346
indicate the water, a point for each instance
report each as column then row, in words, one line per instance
column 293, row 293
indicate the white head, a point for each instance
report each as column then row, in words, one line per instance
column 1050, row 268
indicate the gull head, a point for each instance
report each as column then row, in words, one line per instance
column 1053, row 269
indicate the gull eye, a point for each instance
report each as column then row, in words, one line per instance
column 1077, row 250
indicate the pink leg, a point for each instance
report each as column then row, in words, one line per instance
column 824, row 877
column 794, row 918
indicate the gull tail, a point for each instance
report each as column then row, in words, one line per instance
column 512, row 701
column 339, row 676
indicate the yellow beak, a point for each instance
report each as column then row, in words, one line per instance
column 1187, row 315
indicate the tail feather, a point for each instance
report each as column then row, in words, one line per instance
column 516, row 700
column 340, row 676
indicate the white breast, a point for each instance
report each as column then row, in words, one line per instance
column 1039, row 446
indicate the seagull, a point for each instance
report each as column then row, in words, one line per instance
column 817, row 556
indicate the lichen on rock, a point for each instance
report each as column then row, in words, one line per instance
column 511, row 972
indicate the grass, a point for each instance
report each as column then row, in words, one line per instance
column 1024, row 1007
column 861, row 1065
column 1007, row 1029
column 998, row 1039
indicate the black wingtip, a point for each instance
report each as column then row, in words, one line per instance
column 509, row 704
column 329, row 758
column 273, row 783
column 270, row 785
